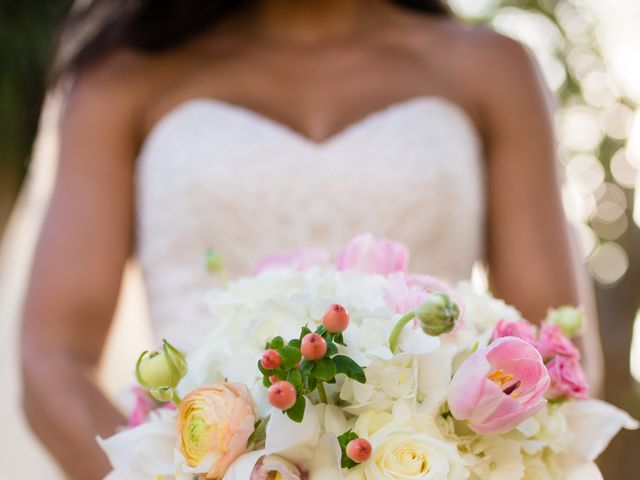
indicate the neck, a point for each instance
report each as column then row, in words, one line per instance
column 314, row 21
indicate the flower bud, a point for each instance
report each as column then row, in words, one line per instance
column 359, row 450
column 313, row 347
column 214, row 261
column 162, row 394
column 569, row 319
column 335, row 319
column 438, row 314
column 161, row 371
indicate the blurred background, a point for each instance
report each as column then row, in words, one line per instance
column 589, row 52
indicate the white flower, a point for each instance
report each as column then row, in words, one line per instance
column 591, row 426
column 387, row 381
column 143, row 451
column 407, row 447
column 547, row 428
column 482, row 311
column 497, row 458
column 535, row 468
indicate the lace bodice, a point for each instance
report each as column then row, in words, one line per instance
column 216, row 175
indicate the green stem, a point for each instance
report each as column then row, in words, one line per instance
column 322, row 392
column 176, row 399
column 224, row 278
column 395, row 333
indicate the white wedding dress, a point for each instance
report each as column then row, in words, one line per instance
column 216, row 175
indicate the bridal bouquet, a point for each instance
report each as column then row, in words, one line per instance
column 361, row 371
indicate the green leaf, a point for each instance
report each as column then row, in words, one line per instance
column 304, row 331
column 344, row 440
column 295, row 343
column 296, row 413
column 259, row 434
column 312, row 383
column 324, row 369
column 290, row 357
column 305, row 367
column 295, row 379
column 264, row 371
column 339, row 339
column 332, row 349
column 266, row 382
column 277, row 343
column 350, row 368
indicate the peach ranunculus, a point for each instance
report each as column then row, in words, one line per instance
column 499, row 386
column 215, row 423
column 368, row 254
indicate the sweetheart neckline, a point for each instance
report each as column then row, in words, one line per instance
column 287, row 130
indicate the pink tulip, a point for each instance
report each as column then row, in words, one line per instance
column 300, row 260
column 405, row 292
column 567, row 379
column 521, row 329
column 367, row 254
column 553, row 342
column 499, row 386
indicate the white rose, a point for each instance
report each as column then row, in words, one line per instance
column 408, row 448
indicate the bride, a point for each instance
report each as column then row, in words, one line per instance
column 252, row 127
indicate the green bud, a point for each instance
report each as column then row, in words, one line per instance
column 438, row 314
column 569, row 319
column 214, row 261
column 161, row 370
column 162, row 394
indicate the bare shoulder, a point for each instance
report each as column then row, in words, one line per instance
column 117, row 88
column 499, row 66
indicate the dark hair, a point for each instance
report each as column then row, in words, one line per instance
column 101, row 26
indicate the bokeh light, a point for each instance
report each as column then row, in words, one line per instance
column 588, row 54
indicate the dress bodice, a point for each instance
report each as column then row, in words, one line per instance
column 216, row 175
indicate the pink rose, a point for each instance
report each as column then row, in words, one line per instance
column 367, row 254
column 300, row 260
column 552, row 342
column 499, row 386
column 567, row 378
column 521, row 329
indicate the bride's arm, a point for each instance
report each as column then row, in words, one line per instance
column 83, row 246
column 532, row 254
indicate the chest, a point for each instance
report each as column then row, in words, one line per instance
column 316, row 93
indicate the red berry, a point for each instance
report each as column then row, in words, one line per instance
column 359, row 450
column 313, row 347
column 271, row 359
column 273, row 379
column 336, row 319
column 282, row 395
